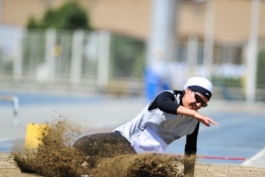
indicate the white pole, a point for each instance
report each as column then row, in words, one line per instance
column 192, row 52
column 103, row 59
column 18, row 56
column 162, row 38
column 49, row 53
column 209, row 38
column 161, row 49
column 252, row 50
column 76, row 60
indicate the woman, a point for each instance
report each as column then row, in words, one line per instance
column 169, row 116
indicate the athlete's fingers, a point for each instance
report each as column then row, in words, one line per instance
column 206, row 122
column 213, row 122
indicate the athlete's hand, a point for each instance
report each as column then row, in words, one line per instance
column 191, row 112
column 204, row 119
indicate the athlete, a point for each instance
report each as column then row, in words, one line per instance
column 169, row 116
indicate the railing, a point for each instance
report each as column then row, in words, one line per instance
column 15, row 102
column 87, row 61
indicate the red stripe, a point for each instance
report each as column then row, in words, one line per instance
column 217, row 157
column 222, row 158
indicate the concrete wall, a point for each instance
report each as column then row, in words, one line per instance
column 131, row 17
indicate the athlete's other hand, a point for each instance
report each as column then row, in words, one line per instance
column 204, row 119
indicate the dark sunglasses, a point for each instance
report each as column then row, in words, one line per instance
column 200, row 100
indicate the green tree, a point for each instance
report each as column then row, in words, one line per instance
column 32, row 23
column 69, row 16
column 127, row 57
column 50, row 19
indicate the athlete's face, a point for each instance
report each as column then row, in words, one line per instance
column 194, row 100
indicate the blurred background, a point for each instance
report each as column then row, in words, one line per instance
column 133, row 47
column 63, row 51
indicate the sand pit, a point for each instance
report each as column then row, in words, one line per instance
column 8, row 168
column 55, row 157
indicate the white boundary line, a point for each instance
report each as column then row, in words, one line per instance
column 3, row 140
column 260, row 155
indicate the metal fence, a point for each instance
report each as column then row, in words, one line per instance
column 96, row 60
column 101, row 61
column 227, row 69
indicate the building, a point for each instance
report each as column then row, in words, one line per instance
column 231, row 19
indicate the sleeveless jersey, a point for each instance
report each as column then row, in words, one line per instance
column 153, row 130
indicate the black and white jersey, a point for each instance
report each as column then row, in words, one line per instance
column 158, row 125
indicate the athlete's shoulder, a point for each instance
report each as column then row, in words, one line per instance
column 178, row 92
column 166, row 92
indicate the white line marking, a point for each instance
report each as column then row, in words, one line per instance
column 257, row 157
column 6, row 139
column 3, row 140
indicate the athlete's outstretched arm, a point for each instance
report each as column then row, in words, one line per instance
column 201, row 118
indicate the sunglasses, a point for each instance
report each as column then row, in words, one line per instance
column 200, row 100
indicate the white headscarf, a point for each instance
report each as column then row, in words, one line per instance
column 201, row 85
